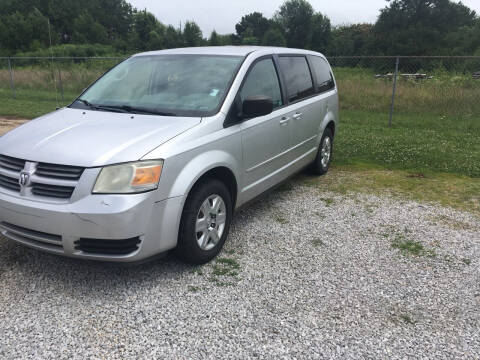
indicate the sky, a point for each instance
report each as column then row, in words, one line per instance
column 222, row 15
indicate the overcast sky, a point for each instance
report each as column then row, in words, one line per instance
column 222, row 15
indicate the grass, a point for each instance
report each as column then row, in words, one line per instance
column 224, row 272
column 407, row 319
column 417, row 142
column 457, row 191
column 317, row 243
column 328, row 201
column 29, row 104
column 411, row 248
column 448, row 93
column 280, row 219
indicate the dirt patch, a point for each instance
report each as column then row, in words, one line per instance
column 9, row 123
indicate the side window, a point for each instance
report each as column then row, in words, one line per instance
column 322, row 73
column 263, row 80
column 297, row 76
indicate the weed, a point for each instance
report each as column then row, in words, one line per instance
column 317, row 243
column 197, row 271
column 328, row 201
column 410, row 247
column 229, row 262
column 407, row 319
column 223, row 268
column 280, row 219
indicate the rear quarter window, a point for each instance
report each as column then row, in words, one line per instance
column 323, row 75
column 297, row 75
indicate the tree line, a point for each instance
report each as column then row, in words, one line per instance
column 106, row 27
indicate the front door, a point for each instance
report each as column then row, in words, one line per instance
column 266, row 139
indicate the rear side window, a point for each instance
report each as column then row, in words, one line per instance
column 263, row 80
column 297, row 76
column 322, row 74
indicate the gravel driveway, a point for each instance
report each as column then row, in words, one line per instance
column 306, row 274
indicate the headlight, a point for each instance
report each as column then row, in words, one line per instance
column 129, row 178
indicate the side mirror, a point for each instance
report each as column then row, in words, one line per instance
column 255, row 106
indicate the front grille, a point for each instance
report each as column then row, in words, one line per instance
column 59, row 171
column 9, row 183
column 46, row 180
column 108, row 247
column 54, row 191
column 12, row 164
column 33, row 238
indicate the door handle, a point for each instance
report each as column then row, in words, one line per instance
column 297, row 116
column 284, row 121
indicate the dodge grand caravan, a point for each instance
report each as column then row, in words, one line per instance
column 159, row 152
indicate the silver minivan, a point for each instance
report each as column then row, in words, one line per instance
column 158, row 153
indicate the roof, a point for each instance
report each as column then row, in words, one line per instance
column 224, row 50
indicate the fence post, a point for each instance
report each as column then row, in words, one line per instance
column 60, row 83
column 394, row 91
column 12, row 83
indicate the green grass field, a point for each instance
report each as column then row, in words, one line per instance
column 431, row 153
column 29, row 104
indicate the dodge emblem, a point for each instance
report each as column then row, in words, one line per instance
column 24, row 179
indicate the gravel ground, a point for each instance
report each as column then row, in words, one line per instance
column 305, row 274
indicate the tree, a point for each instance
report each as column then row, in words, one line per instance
column 16, row 31
column 419, row 27
column 321, row 32
column 192, row 35
column 352, row 40
column 249, row 39
column 173, row 38
column 214, row 41
column 253, row 25
column 295, row 17
column 274, row 37
column 87, row 30
column 143, row 24
column 155, row 41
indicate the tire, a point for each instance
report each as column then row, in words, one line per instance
column 322, row 162
column 200, row 243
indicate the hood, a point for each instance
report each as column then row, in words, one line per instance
column 91, row 138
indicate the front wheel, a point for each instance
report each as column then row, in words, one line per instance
column 205, row 222
column 324, row 156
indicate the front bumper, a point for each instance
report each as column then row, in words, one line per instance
column 57, row 228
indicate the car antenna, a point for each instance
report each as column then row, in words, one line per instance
column 51, row 56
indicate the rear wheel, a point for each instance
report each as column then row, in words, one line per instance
column 205, row 222
column 324, row 156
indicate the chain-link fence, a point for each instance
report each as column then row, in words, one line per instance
column 413, row 85
column 390, row 85
column 59, row 78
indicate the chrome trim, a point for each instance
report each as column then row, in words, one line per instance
column 281, row 154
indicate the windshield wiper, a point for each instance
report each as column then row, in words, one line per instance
column 85, row 102
column 137, row 110
column 125, row 109
column 102, row 107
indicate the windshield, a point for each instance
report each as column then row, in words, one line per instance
column 173, row 85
